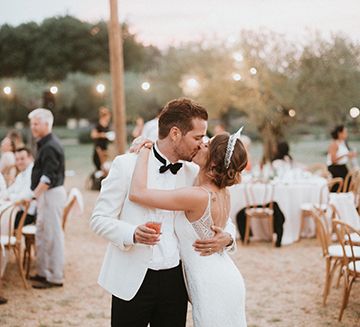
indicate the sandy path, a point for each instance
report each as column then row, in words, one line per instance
column 283, row 286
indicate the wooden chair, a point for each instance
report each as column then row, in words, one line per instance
column 351, row 259
column 12, row 240
column 331, row 252
column 307, row 208
column 354, row 187
column 351, row 180
column 9, row 174
column 29, row 232
column 259, row 209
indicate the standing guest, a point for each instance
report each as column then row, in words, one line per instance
column 7, row 160
column 282, row 158
column 139, row 126
column 47, row 181
column 20, row 189
column 98, row 134
column 151, row 128
column 339, row 153
column 16, row 138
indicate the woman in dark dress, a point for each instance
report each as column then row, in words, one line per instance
column 99, row 135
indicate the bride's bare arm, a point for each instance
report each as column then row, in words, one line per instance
column 182, row 199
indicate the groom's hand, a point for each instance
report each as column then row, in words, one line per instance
column 215, row 244
column 146, row 235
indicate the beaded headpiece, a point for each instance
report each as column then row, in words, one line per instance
column 231, row 145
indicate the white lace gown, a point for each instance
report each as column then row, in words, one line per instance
column 215, row 285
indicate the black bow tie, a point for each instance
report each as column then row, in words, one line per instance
column 174, row 168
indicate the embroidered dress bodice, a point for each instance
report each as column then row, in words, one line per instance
column 203, row 225
column 215, row 285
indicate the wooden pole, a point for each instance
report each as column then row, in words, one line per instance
column 117, row 78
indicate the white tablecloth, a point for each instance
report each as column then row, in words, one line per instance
column 289, row 196
column 344, row 204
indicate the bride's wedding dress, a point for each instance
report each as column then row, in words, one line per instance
column 215, row 286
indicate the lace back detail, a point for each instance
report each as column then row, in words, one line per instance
column 203, row 225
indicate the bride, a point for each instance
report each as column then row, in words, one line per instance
column 215, row 285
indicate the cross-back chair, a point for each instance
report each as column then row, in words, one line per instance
column 259, row 207
column 12, row 239
column 351, row 259
column 351, row 180
column 307, row 208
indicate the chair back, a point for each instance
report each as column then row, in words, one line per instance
column 334, row 185
column 323, row 230
column 259, row 194
column 7, row 219
column 9, row 174
column 74, row 198
column 346, row 234
column 352, row 180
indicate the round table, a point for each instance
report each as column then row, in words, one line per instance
column 290, row 195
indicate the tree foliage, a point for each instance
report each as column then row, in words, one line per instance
column 63, row 45
column 260, row 79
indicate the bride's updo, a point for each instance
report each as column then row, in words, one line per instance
column 215, row 165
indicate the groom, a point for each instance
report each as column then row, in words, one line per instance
column 141, row 269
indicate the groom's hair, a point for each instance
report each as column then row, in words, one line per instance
column 180, row 113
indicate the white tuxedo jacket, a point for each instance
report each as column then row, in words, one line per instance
column 115, row 217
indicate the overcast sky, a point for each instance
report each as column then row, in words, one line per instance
column 165, row 22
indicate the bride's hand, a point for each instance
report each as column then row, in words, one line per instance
column 139, row 143
column 215, row 244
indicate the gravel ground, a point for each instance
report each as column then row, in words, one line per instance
column 284, row 286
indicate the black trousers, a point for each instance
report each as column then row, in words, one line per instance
column 278, row 223
column 161, row 301
column 96, row 160
column 338, row 171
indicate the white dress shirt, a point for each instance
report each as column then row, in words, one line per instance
column 165, row 254
column 20, row 189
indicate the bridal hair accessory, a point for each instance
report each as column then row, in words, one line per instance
column 231, row 145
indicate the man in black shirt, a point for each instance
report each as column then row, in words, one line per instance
column 47, row 181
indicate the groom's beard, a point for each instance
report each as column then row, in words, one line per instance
column 189, row 157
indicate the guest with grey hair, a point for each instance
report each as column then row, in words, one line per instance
column 47, row 180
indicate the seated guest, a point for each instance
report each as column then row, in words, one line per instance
column 247, row 141
column 7, row 160
column 16, row 138
column 278, row 223
column 20, row 189
column 282, row 158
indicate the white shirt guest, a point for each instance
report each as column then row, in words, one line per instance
column 150, row 130
column 20, row 189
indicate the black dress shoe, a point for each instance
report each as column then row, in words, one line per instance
column 46, row 284
column 37, row 278
column 3, row 300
